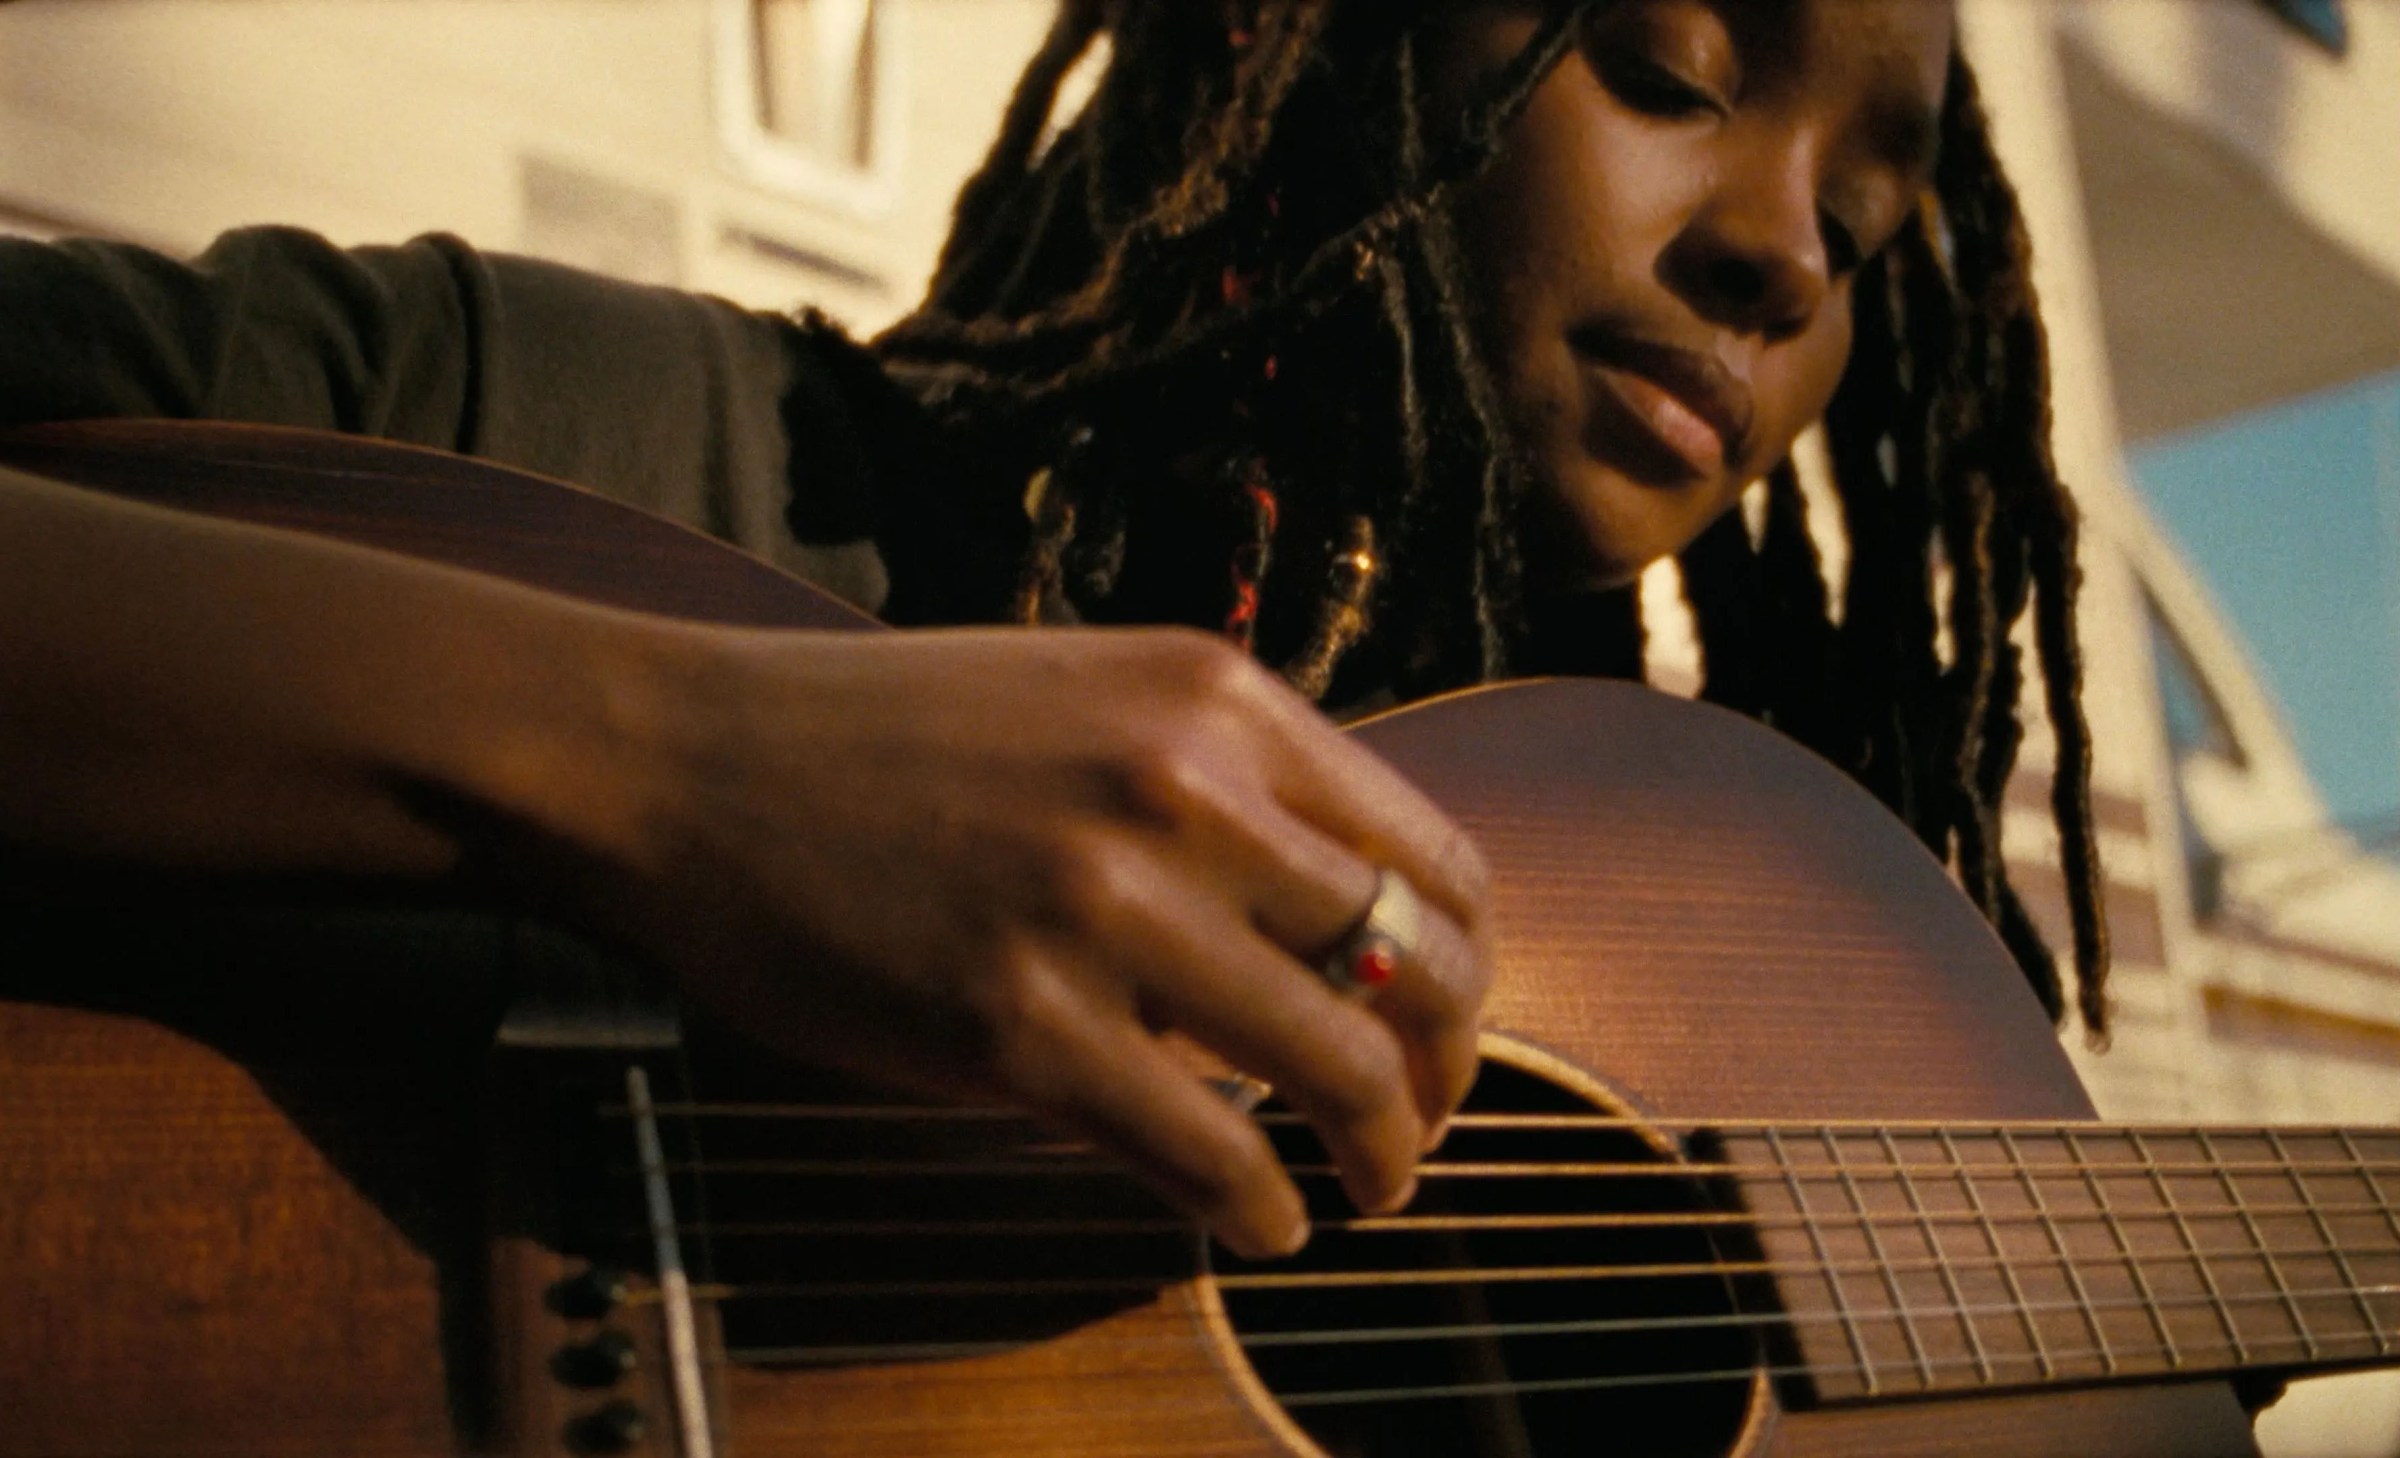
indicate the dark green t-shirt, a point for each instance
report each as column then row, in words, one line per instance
column 722, row 418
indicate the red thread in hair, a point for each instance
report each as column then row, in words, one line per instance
column 1239, row 38
column 1235, row 288
column 1245, row 605
column 1262, row 500
column 1250, row 560
column 1269, row 368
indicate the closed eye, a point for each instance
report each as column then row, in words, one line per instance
column 1654, row 90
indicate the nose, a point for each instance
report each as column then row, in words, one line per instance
column 1753, row 257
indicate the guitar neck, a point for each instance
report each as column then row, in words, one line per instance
column 1921, row 1259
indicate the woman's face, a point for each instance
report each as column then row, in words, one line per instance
column 1662, row 256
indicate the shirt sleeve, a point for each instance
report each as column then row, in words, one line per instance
column 689, row 406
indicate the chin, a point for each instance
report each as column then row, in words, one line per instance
column 1591, row 523
column 1570, row 554
column 1594, row 530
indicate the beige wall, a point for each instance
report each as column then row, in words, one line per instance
column 168, row 121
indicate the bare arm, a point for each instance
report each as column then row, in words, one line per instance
column 193, row 694
column 995, row 863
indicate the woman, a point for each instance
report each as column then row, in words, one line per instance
column 1387, row 341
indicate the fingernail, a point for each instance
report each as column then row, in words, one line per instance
column 1400, row 1198
column 1435, row 1135
column 1293, row 1239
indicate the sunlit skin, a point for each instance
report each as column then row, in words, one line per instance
column 1663, row 255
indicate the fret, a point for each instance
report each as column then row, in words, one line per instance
column 2008, row 1274
column 2258, row 1242
column 2109, row 1253
column 2385, row 1205
column 2366, row 1175
column 1881, row 1257
column 1816, row 1239
column 2125, row 1252
column 2066, row 1256
column 1941, row 1260
column 2333, row 1245
column 2199, row 1258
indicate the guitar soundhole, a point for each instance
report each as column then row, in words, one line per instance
column 1540, row 1297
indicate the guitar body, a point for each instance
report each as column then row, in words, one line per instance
column 286, row 1205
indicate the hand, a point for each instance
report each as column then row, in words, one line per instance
column 1008, row 864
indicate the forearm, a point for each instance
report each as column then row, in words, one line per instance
column 985, row 864
column 187, row 694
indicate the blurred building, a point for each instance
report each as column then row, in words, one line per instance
column 2216, row 191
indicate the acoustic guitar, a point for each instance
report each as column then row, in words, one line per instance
column 1773, row 1152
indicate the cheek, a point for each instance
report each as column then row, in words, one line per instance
column 1516, row 250
column 1797, row 384
column 1573, row 215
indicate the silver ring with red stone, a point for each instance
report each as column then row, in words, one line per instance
column 1372, row 952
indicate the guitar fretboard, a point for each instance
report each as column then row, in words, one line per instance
column 1921, row 1259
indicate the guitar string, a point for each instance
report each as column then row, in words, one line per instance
column 1933, row 1242
column 2169, row 1210
column 2191, row 1244
column 1084, row 1163
column 1454, row 1224
column 2358, row 1167
column 2274, row 1267
column 975, row 1114
column 1965, row 1313
column 2018, row 1307
column 2325, row 1233
column 2391, row 1217
column 855, row 1425
column 1973, row 1195
column 2067, row 1133
column 2032, row 1188
column 2141, row 1281
column 1458, row 1275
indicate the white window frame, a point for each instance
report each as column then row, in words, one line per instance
column 767, row 162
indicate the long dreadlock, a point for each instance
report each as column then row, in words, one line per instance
column 1224, row 304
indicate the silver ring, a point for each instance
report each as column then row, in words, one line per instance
column 1383, row 940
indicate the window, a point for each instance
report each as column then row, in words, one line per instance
column 808, row 99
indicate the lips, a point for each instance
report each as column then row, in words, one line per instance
column 1686, row 403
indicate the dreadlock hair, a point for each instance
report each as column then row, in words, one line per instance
column 1223, row 305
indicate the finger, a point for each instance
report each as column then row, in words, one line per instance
column 1108, row 1080
column 1298, row 884
column 1306, row 892
column 1358, row 799
column 1433, row 1001
column 1337, row 1062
